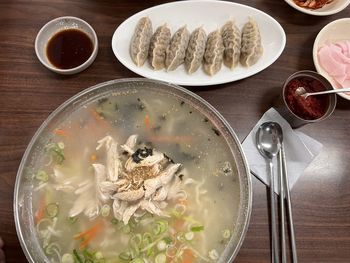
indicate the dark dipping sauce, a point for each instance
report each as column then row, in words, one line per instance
column 311, row 108
column 69, row 48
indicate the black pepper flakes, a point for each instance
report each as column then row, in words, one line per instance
column 206, row 120
column 216, row 131
column 157, row 128
column 168, row 158
column 182, row 103
column 102, row 101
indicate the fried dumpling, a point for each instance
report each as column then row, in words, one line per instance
column 251, row 49
column 195, row 50
column 157, row 50
column 231, row 37
column 214, row 53
column 176, row 51
column 140, row 41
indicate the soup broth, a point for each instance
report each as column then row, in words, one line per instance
column 135, row 176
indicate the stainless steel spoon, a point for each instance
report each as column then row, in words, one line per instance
column 302, row 92
column 268, row 142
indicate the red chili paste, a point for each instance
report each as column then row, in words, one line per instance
column 311, row 108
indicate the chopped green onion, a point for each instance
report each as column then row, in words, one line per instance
column 197, row 228
column 150, row 252
column 226, row 234
column 56, row 151
column 189, row 236
column 42, row 176
column 146, row 239
column 136, row 239
column 213, row 254
column 134, row 250
column 160, row 258
column 48, row 249
column 161, row 245
column 168, row 240
column 87, row 254
column 137, row 260
column 132, row 223
column 160, row 227
column 105, row 210
column 60, row 145
column 126, row 229
column 52, row 210
column 76, row 256
column 98, row 255
column 67, row 258
column 181, row 237
column 114, row 221
column 88, row 261
column 125, row 256
column 72, row 219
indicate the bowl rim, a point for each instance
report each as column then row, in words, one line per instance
column 318, row 13
column 124, row 80
column 316, row 48
column 74, row 70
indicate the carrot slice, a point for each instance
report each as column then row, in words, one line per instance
column 61, row 132
column 93, row 157
column 89, row 234
column 187, row 256
column 90, row 231
column 179, row 223
column 147, row 122
column 40, row 213
column 86, row 241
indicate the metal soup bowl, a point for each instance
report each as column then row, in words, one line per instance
column 23, row 193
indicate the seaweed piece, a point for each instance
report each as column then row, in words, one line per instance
column 141, row 154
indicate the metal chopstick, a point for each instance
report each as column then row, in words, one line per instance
column 289, row 206
column 282, row 210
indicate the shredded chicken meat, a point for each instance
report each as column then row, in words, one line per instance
column 146, row 182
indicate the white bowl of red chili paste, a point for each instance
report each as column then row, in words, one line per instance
column 319, row 7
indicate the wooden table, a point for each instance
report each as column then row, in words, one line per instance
column 29, row 93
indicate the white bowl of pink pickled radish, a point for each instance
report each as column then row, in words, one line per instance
column 331, row 54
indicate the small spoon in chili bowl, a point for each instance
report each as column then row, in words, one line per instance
column 300, row 91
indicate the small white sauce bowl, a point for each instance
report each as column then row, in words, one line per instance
column 335, row 31
column 56, row 25
column 329, row 9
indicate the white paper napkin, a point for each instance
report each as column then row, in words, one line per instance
column 300, row 150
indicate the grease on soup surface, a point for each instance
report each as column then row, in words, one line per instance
column 135, row 177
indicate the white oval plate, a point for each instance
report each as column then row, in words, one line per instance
column 329, row 9
column 335, row 31
column 211, row 15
